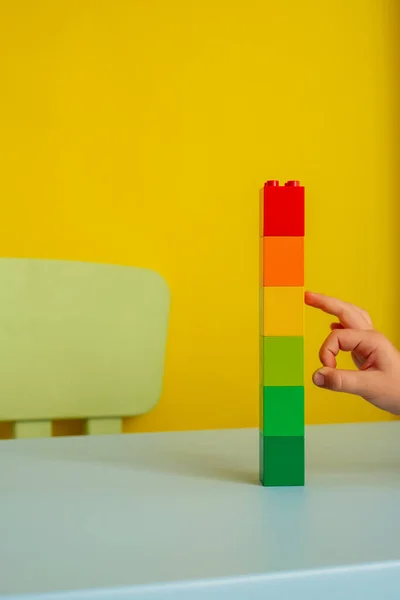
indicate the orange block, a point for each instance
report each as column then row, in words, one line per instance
column 283, row 261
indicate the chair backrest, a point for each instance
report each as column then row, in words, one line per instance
column 80, row 340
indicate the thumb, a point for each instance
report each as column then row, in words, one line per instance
column 339, row 380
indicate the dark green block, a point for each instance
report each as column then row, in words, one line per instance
column 283, row 360
column 282, row 412
column 282, row 460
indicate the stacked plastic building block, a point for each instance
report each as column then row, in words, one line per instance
column 282, row 335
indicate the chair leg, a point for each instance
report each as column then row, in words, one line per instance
column 32, row 429
column 110, row 426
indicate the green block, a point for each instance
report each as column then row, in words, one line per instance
column 261, row 405
column 283, row 358
column 283, row 411
column 281, row 460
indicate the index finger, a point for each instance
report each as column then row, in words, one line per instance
column 349, row 315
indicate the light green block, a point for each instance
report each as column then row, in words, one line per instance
column 103, row 426
column 32, row 429
column 80, row 340
column 283, row 359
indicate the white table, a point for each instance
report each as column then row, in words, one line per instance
column 182, row 516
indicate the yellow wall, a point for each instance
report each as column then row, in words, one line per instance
column 139, row 133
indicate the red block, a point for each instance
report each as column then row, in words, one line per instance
column 283, row 209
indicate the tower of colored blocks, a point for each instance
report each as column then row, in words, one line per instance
column 282, row 334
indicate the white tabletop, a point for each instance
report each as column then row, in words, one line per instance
column 182, row 509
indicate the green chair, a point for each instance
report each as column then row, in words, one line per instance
column 79, row 341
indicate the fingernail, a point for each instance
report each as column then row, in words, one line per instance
column 319, row 379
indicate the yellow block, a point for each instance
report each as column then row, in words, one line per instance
column 283, row 311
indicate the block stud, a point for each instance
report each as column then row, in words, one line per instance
column 292, row 183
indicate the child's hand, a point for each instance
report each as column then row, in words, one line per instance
column 377, row 360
